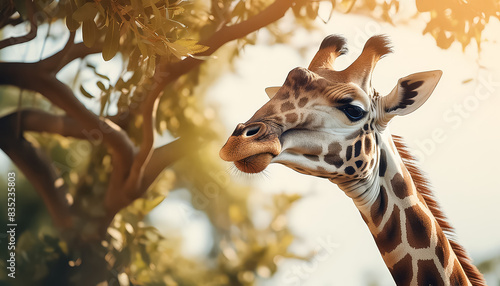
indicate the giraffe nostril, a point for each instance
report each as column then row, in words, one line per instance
column 251, row 131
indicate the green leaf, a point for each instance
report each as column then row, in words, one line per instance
column 111, row 41
column 156, row 20
column 101, row 86
column 136, row 77
column 178, row 51
column 85, row 12
column 89, row 31
column 85, row 92
column 71, row 23
column 183, row 48
column 312, row 10
column 192, row 45
column 142, row 47
column 145, row 254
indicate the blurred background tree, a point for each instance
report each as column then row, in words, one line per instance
column 89, row 117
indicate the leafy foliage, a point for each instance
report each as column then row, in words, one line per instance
column 459, row 21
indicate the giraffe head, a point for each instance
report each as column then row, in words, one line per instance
column 324, row 122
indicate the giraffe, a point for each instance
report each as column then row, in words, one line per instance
column 334, row 125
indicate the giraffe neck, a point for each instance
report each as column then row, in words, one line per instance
column 409, row 237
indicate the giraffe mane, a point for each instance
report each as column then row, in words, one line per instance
column 423, row 187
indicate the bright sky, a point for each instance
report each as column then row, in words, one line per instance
column 454, row 133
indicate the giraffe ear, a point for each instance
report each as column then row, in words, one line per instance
column 410, row 93
column 271, row 91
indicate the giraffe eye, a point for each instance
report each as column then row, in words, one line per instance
column 353, row 112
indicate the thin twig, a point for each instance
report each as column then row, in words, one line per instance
column 29, row 36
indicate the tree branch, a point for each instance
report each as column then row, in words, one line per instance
column 45, row 82
column 55, row 62
column 40, row 121
column 28, row 37
column 6, row 13
column 12, row 22
column 161, row 158
column 132, row 185
column 272, row 13
column 70, row 53
column 120, row 146
column 142, row 168
column 165, row 156
column 21, row 152
column 168, row 72
column 38, row 170
column 97, row 130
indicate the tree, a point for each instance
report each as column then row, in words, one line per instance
column 85, row 142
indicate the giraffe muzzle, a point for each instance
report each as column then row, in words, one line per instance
column 251, row 147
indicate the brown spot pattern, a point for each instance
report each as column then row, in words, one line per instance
column 400, row 186
column 357, row 148
column 390, row 236
column 334, row 148
column 334, row 160
column 287, row 106
column 348, row 153
column 402, row 271
column 457, row 275
column 383, row 163
column 303, row 101
column 368, row 145
column 291, row 117
column 358, row 163
column 312, row 157
column 418, row 227
column 333, row 156
column 428, row 274
column 442, row 249
column 349, row 170
column 379, row 208
column 320, row 169
column 285, row 95
column 315, row 149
